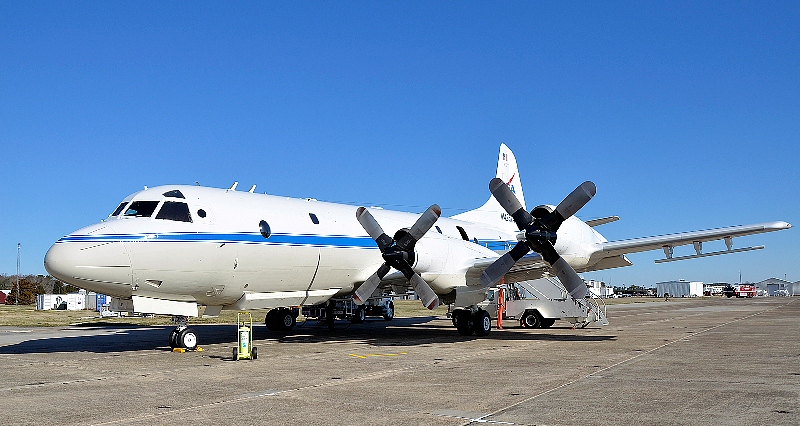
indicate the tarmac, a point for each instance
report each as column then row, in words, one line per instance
column 705, row 361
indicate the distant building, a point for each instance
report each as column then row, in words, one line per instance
column 4, row 295
column 681, row 288
column 775, row 287
column 599, row 288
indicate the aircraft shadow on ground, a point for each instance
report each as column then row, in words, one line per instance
column 398, row 332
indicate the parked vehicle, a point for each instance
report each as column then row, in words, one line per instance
column 540, row 303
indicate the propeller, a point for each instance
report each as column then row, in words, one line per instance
column 540, row 234
column 398, row 253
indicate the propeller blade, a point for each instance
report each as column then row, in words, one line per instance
column 570, row 205
column 373, row 228
column 368, row 287
column 502, row 193
column 495, row 272
column 425, row 292
column 420, row 227
column 572, row 282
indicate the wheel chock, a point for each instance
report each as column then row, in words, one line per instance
column 182, row 350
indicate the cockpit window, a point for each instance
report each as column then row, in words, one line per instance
column 174, row 194
column 119, row 209
column 141, row 209
column 173, row 210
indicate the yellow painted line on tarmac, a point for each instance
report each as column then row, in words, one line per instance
column 368, row 355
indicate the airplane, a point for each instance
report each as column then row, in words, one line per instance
column 181, row 249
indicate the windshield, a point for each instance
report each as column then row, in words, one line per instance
column 173, row 210
column 141, row 209
column 119, row 208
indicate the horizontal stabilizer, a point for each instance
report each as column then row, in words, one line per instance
column 602, row 221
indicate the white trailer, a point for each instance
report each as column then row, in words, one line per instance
column 680, row 288
column 539, row 303
column 70, row 302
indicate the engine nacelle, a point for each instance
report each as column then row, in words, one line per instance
column 443, row 261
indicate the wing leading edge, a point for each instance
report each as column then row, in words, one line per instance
column 696, row 238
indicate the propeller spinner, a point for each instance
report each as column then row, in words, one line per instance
column 540, row 235
column 398, row 253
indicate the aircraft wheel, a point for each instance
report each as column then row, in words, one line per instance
column 187, row 338
column 482, row 323
column 286, row 319
column 173, row 341
column 271, row 320
column 463, row 322
column 235, row 356
column 388, row 314
column 359, row 316
column 548, row 322
column 531, row 320
column 254, row 353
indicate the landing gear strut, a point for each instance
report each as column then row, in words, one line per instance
column 468, row 321
column 182, row 336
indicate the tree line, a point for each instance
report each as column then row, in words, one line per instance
column 31, row 286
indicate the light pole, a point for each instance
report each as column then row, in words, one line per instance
column 16, row 301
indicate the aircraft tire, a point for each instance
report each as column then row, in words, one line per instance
column 271, row 320
column 254, row 353
column 388, row 314
column 481, row 323
column 464, row 322
column 286, row 319
column 235, row 356
column 173, row 343
column 187, row 339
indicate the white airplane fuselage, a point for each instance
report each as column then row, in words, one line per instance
column 221, row 253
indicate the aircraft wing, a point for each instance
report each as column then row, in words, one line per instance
column 696, row 238
column 530, row 267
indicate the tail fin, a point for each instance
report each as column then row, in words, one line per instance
column 492, row 213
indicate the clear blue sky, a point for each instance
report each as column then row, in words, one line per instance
column 686, row 116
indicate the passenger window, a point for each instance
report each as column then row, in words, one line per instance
column 119, row 208
column 263, row 226
column 173, row 210
column 174, row 194
column 314, row 218
column 141, row 209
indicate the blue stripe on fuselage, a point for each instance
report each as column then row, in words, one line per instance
column 341, row 241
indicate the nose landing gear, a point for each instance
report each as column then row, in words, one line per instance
column 182, row 337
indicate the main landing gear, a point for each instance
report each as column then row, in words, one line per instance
column 281, row 319
column 469, row 321
column 182, row 336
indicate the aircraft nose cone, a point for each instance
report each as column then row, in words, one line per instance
column 91, row 261
column 60, row 262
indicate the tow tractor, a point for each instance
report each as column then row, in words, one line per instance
column 346, row 308
column 539, row 303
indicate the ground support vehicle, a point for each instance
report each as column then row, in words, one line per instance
column 347, row 309
column 539, row 303
column 745, row 290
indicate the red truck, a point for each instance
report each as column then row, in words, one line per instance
column 746, row 290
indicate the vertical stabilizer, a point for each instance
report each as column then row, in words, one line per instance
column 492, row 213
